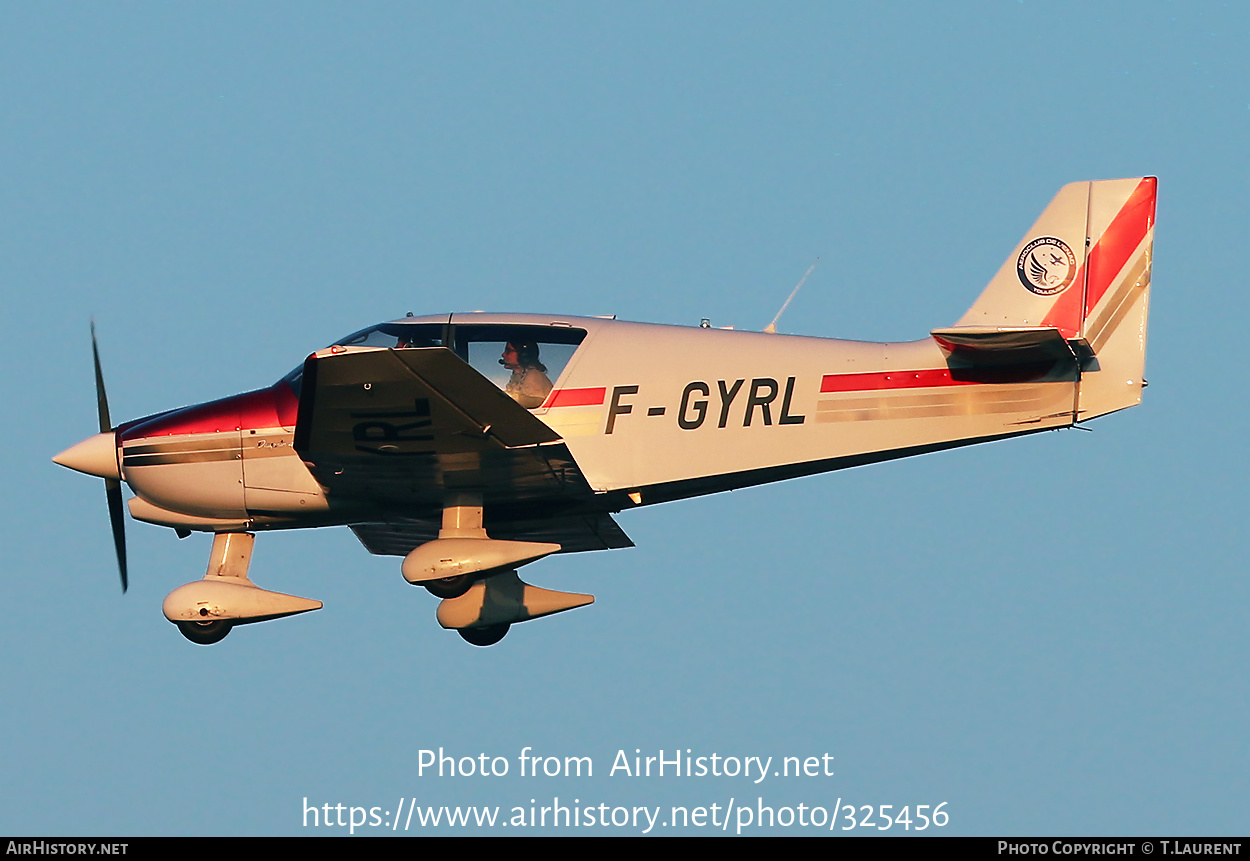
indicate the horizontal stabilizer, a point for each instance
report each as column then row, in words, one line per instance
column 1020, row 345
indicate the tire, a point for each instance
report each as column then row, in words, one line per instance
column 487, row 635
column 206, row 633
column 449, row 587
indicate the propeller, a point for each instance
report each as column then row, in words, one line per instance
column 112, row 487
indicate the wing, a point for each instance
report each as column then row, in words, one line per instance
column 397, row 428
column 574, row 533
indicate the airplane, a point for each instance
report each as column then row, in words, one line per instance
column 472, row 444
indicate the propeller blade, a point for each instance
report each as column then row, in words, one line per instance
column 101, row 399
column 112, row 488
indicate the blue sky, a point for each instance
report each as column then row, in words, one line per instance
column 1047, row 634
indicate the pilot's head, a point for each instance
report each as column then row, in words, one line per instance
column 527, row 353
column 520, row 354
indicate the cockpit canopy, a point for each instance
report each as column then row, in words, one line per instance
column 522, row 360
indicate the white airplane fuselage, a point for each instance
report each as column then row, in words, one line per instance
column 412, row 432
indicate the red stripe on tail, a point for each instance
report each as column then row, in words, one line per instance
column 1106, row 259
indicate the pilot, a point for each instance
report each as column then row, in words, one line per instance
column 529, row 385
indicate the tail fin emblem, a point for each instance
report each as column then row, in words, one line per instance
column 1046, row 266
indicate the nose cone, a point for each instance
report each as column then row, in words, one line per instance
column 96, row 455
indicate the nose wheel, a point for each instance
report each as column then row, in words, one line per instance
column 205, row 633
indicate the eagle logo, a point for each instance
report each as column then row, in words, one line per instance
column 1046, row 266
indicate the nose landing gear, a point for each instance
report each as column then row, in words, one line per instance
column 205, row 633
column 207, row 610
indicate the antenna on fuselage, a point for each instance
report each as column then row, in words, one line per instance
column 771, row 328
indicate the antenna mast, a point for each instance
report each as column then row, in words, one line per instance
column 771, row 328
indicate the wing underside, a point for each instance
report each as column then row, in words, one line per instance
column 574, row 533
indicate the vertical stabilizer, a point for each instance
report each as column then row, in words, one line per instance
column 1083, row 269
column 1047, row 264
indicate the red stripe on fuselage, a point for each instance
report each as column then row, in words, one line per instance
column 926, row 378
column 1106, row 259
column 576, row 397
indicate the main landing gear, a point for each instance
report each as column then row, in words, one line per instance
column 449, row 587
column 487, row 635
column 473, row 573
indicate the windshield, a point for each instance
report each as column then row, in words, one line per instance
column 396, row 335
